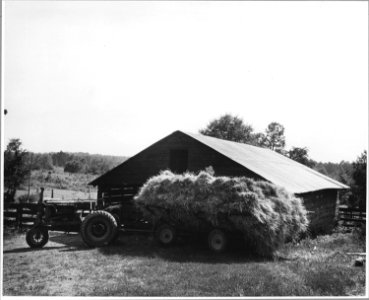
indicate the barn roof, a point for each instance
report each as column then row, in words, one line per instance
column 268, row 164
column 274, row 167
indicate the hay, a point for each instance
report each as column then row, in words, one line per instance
column 265, row 214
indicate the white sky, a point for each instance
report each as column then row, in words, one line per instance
column 114, row 77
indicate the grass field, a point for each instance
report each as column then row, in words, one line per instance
column 63, row 194
column 137, row 266
column 64, row 185
column 58, row 179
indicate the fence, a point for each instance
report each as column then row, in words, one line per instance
column 24, row 214
column 351, row 217
column 20, row 214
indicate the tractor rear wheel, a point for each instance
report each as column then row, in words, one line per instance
column 37, row 237
column 99, row 229
column 217, row 240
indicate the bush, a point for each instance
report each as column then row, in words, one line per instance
column 267, row 215
column 73, row 166
column 33, row 198
column 360, row 233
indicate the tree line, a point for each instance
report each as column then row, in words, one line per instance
column 79, row 162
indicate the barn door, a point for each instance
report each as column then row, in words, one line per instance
column 178, row 160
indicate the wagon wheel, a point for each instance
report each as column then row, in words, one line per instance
column 217, row 240
column 37, row 237
column 98, row 229
column 165, row 234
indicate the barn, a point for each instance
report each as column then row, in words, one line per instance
column 182, row 152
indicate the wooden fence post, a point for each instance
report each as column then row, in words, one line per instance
column 19, row 215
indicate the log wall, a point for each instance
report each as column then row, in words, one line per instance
column 322, row 207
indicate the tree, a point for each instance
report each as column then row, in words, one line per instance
column 359, row 176
column 231, row 128
column 260, row 139
column 301, row 155
column 339, row 171
column 73, row 166
column 60, row 158
column 40, row 161
column 274, row 137
column 15, row 167
column 345, row 173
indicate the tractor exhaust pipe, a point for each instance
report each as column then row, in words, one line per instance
column 41, row 199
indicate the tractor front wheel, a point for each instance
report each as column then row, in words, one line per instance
column 99, row 229
column 37, row 237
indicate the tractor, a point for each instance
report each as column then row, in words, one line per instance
column 99, row 228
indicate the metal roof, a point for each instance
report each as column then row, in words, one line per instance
column 272, row 166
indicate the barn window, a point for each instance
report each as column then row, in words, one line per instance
column 178, row 160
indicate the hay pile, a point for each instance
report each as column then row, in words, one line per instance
column 267, row 215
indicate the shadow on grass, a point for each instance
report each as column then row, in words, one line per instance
column 68, row 242
column 27, row 249
column 73, row 242
column 193, row 250
column 138, row 245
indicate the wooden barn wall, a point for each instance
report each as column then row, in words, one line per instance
column 321, row 206
column 156, row 158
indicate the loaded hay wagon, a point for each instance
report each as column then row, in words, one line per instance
column 222, row 208
column 216, row 208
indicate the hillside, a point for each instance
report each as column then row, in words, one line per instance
column 66, row 175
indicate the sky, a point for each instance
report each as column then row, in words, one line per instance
column 114, row 77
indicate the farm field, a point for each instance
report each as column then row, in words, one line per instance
column 63, row 194
column 65, row 186
column 137, row 266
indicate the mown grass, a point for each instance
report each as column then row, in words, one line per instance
column 137, row 266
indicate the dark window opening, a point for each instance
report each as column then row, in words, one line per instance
column 178, row 160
